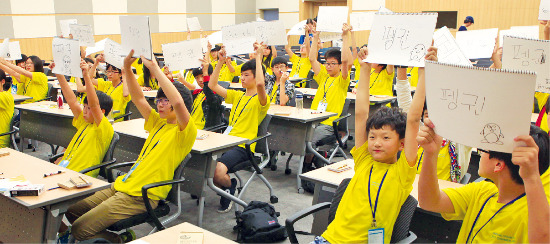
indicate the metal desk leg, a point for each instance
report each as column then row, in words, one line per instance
column 201, row 209
column 298, row 180
column 310, row 149
column 54, row 214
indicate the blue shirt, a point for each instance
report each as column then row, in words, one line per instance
column 462, row 28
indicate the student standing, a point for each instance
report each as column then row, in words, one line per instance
column 469, row 21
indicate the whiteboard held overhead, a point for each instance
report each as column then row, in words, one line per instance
column 239, row 39
column 531, row 55
column 193, row 24
column 448, row 51
column 84, row 34
column 477, row 43
column 361, row 21
column 401, row 38
column 66, row 55
column 15, row 51
column 5, row 48
column 183, row 55
column 136, row 34
column 271, row 32
column 113, row 53
column 64, row 25
column 544, row 10
column 298, row 29
column 481, row 108
column 215, row 38
column 331, row 18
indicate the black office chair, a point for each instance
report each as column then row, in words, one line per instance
column 466, row 179
column 235, row 79
column 11, row 133
column 400, row 234
column 226, row 84
column 49, row 94
column 153, row 216
column 126, row 114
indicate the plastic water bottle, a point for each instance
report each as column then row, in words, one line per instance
column 59, row 100
column 111, row 118
column 300, row 103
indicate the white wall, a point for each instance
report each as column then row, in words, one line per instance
column 289, row 10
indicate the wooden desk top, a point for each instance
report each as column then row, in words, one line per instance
column 171, row 235
column 213, row 142
column 235, row 85
column 20, row 98
column 47, row 107
column 307, row 115
column 373, row 98
column 33, row 169
column 333, row 179
column 150, row 94
column 57, row 86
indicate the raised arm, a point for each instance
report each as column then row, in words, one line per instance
column 314, row 52
column 213, row 84
column 546, row 26
column 125, row 90
column 15, row 68
column 229, row 64
column 495, row 57
column 346, row 52
column 260, row 79
column 182, row 114
column 283, row 97
column 68, row 94
column 363, row 100
column 100, row 58
column 403, row 89
column 273, row 52
column 390, row 69
column 79, row 86
column 11, row 72
column 93, row 101
column 135, row 90
column 287, row 47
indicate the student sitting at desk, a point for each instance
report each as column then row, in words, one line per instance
column 34, row 82
column 277, row 86
column 94, row 132
column 300, row 64
column 248, row 111
column 229, row 69
column 333, row 80
column 171, row 137
column 511, row 208
column 147, row 80
column 6, row 109
column 363, row 211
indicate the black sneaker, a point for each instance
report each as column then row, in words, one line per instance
column 225, row 203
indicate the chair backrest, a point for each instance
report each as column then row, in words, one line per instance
column 261, row 145
column 178, row 174
column 292, row 102
column 403, row 221
column 110, row 151
column 343, row 125
column 336, row 199
column 225, row 84
column 235, row 79
column 50, row 90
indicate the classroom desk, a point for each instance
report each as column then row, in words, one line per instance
column 57, row 86
column 199, row 171
column 44, row 122
column 326, row 183
column 150, row 96
column 236, row 86
column 37, row 218
column 172, row 235
column 17, row 99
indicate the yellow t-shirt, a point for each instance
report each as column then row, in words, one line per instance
column 37, row 87
column 544, row 122
column 336, row 90
column 246, row 114
column 541, row 99
column 6, row 114
column 413, row 79
column 153, row 83
column 225, row 74
column 189, row 77
column 443, row 162
column 354, row 217
column 161, row 154
column 116, row 93
column 89, row 144
column 301, row 67
column 197, row 113
column 381, row 83
column 508, row 226
column 20, row 88
column 268, row 67
column 357, row 66
column 138, row 66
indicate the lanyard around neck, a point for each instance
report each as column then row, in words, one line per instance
column 69, row 155
column 233, row 120
column 325, row 89
column 373, row 210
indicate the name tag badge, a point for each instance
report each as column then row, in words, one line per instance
column 322, row 107
column 296, row 75
column 64, row 163
column 376, row 236
column 227, row 130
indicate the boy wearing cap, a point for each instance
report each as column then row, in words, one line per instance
column 467, row 23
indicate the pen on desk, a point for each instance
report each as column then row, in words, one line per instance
column 54, row 188
column 54, row 173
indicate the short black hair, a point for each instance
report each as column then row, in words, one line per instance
column 542, row 140
column 198, row 71
column 251, row 65
column 37, row 63
column 216, row 48
column 22, row 60
column 392, row 117
column 105, row 101
column 113, row 67
column 184, row 93
column 309, row 21
column 279, row 60
column 88, row 60
column 334, row 53
column 7, row 80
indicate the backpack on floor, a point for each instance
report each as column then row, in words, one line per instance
column 258, row 224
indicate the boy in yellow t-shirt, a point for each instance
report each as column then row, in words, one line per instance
column 512, row 208
column 94, row 132
column 300, row 64
column 32, row 79
column 382, row 182
column 248, row 111
column 6, row 109
column 171, row 137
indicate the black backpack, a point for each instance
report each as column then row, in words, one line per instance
column 258, row 224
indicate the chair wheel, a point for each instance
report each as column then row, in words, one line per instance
column 301, row 190
column 274, row 199
column 273, row 167
column 283, row 153
column 288, row 171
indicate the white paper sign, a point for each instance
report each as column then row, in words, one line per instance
column 66, row 55
column 99, row 46
column 64, row 25
column 531, row 55
column 331, row 19
column 384, row 10
column 193, row 24
column 399, row 39
column 215, row 38
column 361, row 21
column 183, row 55
column 136, row 34
column 447, row 49
column 479, row 108
column 477, row 43
column 271, row 32
column 544, row 10
column 204, row 45
column 330, row 36
column 298, row 29
column 84, row 34
column 113, row 53
column 519, row 31
column 239, row 39
column 15, row 51
column 5, row 48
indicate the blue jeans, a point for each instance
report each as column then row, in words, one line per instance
column 319, row 240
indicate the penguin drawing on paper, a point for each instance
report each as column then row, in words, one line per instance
column 492, row 134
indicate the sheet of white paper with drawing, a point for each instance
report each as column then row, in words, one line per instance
column 297, row 29
column 15, row 51
column 239, row 39
column 480, row 108
column 399, row 39
column 519, row 31
column 204, row 44
column 99, row 46
column 5, row 48
column 384, row 10
column 361, row 21
column 447, row 49
column 331, row 18
column 84, row 34
column 477, row 43
column 66, row 55
column 330, row 36
column 64, row 25
column 193, row 24
column 531, row 55
column 271, row 32
column 215, row 38
column 113, row 53
column 183, row 55
column 544, row 10
column 136, row 34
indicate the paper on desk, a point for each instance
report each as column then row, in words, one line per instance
column 66, row 55
column 136, row 34
column 332, row 18
column 477, row 43
column 191, row 238
column 531, row 55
